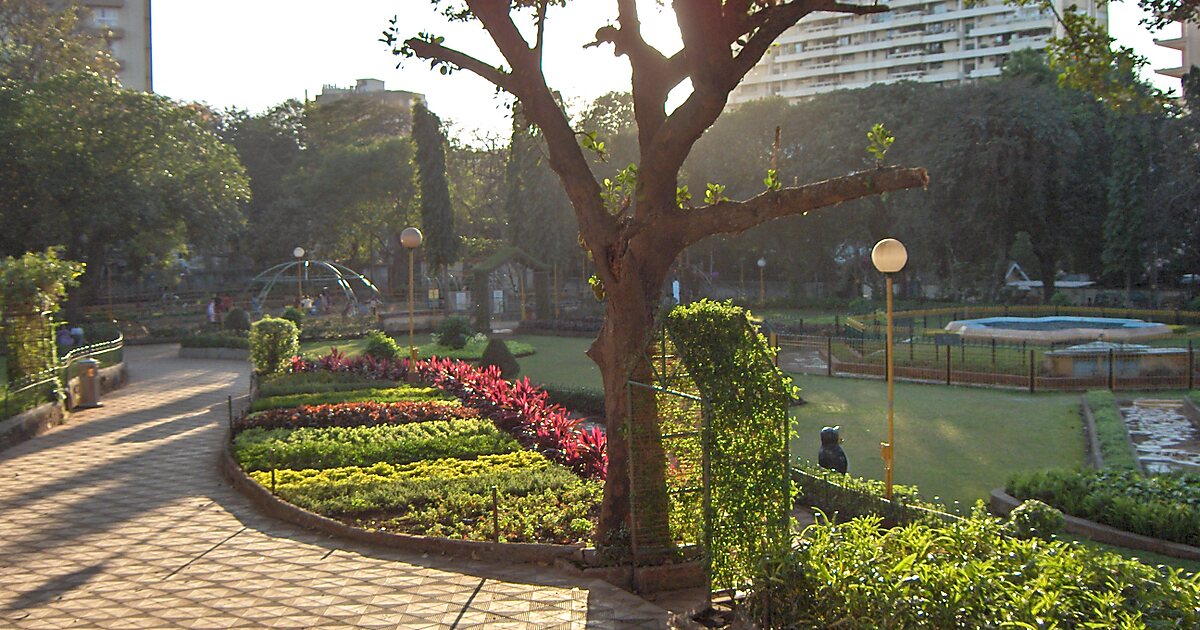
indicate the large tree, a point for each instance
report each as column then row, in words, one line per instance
column 40, row 39
column 437, row 215
column 635, row 238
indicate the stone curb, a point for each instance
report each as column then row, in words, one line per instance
column 229, row 354
column 1191, row 411
column 531, row 553
column 1095, row 457
column 1003, row 503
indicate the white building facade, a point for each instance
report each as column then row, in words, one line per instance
column 930, row 41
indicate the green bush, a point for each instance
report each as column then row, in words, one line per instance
column 273, row 342
column 294, row 315
column 225, row 339
column 394, row 394
column 316, row 382
column 335, row 447
column 585, row 400
column 1111, row 432
column 473, row 351
column 381, row 346
column 965, row 575
column 1159, row 506
column 1060, row 299
column 453, row 332
column 1034, row 519
column 842, row 497
column 496, row 353
column 237, row 319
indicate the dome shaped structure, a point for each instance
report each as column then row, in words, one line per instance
column 289, row 280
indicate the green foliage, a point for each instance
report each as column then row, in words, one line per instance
column 442, row 242
column 597, row 286
column 732, row 366
column 334, row 447
column 31, row 289
column 294, row 315
column 540, row 218
column 225, row 339
column 237, row 319
column 617, row 192
column 842, row 497
column 1060, row 299
column 881, row 140
column 1115, row 448
column 273, row 342
column 381, row 346
column 39, row 39
column 497, row 353
column 771, row 181
column 1034, row 519
column 585, row 400
column 473, row 350
column 964, row 575
column 1160, row 506
column 714, row 193
column 314, row 382
column 683, row 198
column 453, row 332
column 395, row 394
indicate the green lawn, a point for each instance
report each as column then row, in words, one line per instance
column 955, row 443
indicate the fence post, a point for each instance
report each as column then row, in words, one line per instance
column 994, row 351
column 1032, row 374
column 1191, row 379
column 947, row 365
column 1112, row 379
column 837, row 324
column 828, row 356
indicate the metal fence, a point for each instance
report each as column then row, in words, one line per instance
column 50, row 385
column 954, row 361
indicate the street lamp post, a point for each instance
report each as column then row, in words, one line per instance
column 299, row 254
column 762, row 291
column 889, row 257
column 410, row 238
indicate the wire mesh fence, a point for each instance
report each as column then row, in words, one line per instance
column 35, row 371
column 951, row 360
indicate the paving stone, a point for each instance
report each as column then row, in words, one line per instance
column 119, row 519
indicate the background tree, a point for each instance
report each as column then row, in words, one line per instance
column 40, row 39
column 635, row 234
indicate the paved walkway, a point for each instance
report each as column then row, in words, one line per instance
column 119, row 519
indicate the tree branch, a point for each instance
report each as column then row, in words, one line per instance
column 437, row 52
column 727, row 217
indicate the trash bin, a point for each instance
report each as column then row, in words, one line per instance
column 89, row 384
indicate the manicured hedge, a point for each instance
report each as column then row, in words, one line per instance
column 316, row 382
column 355, row 414
column 395, row 394
column 333, row 447
column 964, row 575
column 585, row 400
column 1160, row 506
column 1111, row 431
column 842, row 497
column 225, row 339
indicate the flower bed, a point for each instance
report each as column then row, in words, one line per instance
column 964, row 575
column 316, row 382
column 354, row 414
column 403, row 393
column 330, row 447
column 1160, row 506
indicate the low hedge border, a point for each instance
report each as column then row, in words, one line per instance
column 1002, row 503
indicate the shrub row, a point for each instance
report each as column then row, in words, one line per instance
column 1111, row 431
column 847, row 496
column 964, row 575
column 228, row 339
column 573, row 325
column 1161, row 506
column 402, row 393
column 585, row 400
column 355, row 414
column 332, row 447
column 315, row 382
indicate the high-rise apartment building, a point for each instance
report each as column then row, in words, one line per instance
column 1188, row 44
column 125, row 25
column 931, row 41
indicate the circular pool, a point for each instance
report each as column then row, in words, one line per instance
column 1058, row 329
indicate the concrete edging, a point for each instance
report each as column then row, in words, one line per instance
column 1095, row 457
column 1003, row 503
column 227, row 354
column 1191, row 411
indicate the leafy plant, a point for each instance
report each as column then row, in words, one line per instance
column 332, row 447
column 273, row 342
column 1111, row 432
column 381, row 346
column 355, row 414
column 497, row 354
column 237, row 319
column 1034, row 519
column 402, row 393
column 453, row 332
column 881, row 140
column 294, row 315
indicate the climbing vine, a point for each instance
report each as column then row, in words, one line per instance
column 732, row 366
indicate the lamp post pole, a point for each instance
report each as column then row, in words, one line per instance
column 410, row 238
column 762, row 291
column 889, row 257
column 299, row 254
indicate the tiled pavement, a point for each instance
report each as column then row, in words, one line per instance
column 119, row 519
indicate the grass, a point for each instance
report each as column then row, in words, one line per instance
column 952, row 442
column 560, row 361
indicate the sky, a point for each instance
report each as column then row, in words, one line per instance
column 252, row 54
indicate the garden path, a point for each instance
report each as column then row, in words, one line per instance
column 120, row 519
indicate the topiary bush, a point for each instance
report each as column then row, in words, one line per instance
column 237, row 319
column 1034, row 519
column 1060, row 299
column 294, row 315
column 381, row 346
column 497, row 353
column 453, row 332
column 273, row 343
